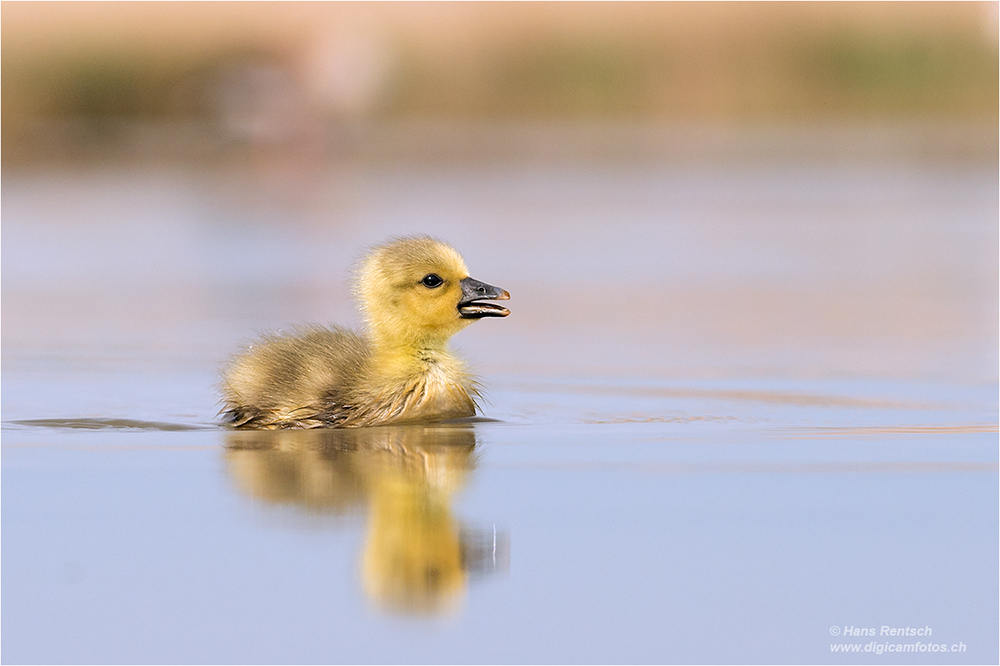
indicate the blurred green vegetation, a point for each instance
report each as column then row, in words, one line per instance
column 115, row 87
column 567, row 79
column 845, row 73
column 839, row 73
column 904, row 74
column 778, row 73
column 550, row 79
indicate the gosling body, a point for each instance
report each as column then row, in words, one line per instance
column 415, row 294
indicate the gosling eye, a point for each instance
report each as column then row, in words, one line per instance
column 431, row 281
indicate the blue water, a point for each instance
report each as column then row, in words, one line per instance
column 735, row 412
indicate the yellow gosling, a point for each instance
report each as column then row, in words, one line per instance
column 415, row 293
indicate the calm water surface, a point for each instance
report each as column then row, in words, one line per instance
column 736, row 411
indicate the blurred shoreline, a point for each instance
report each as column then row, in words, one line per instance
column 320, row 82
column 62, row 143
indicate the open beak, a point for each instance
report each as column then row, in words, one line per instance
column 473, row 293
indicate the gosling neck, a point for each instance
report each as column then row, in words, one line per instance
column 408, row 350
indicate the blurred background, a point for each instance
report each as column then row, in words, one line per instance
column 667, row 189
column 314, row 81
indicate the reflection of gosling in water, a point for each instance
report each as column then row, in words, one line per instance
column 416, row 293
column 413, row 551
column 418, row 557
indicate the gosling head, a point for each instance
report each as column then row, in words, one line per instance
column 416, row 291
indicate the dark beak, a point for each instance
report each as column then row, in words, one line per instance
column 473, row 292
